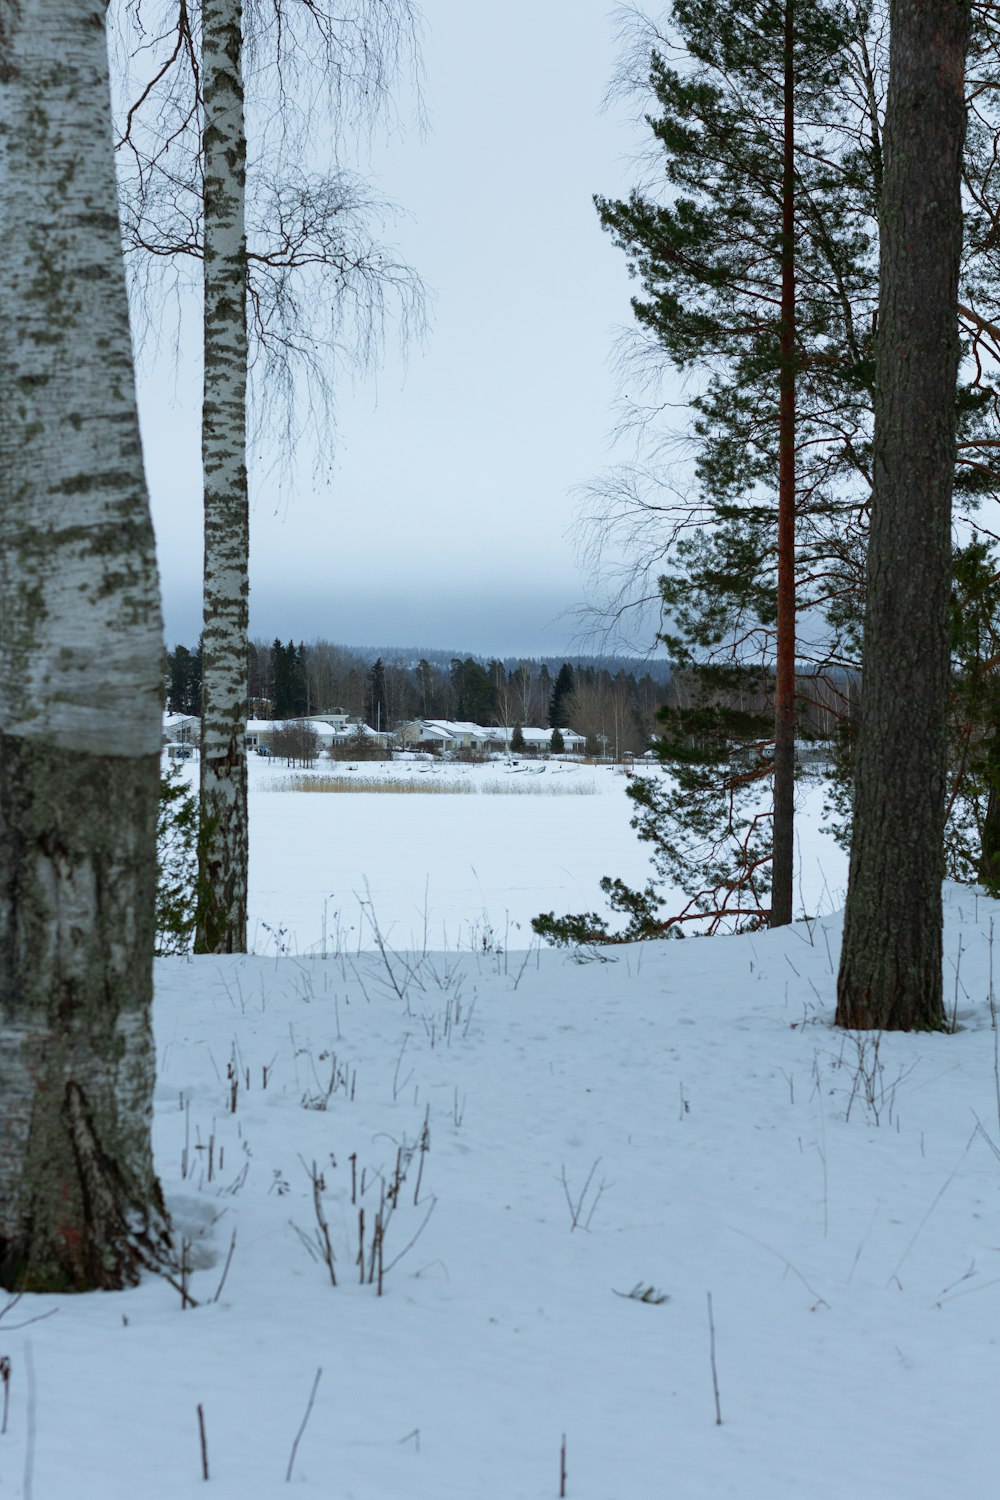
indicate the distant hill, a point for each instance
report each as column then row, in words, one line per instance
column 639, row 666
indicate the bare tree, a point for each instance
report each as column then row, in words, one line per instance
column 80, row 650
column 186, row 198
column 297, row 742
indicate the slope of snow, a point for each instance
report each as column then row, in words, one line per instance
column 688, row 1102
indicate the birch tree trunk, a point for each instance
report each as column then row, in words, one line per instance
column 222, row 843
column 890, row 969
column 80, row 687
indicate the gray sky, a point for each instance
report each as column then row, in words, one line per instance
column 448, row 516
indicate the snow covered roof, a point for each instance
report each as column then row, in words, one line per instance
column 269, row 726
column 451, row 729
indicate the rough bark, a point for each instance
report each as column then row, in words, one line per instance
column 890, row 972
column 989, row 857
column 222, row 841
column 80, row 652
column 783, row 853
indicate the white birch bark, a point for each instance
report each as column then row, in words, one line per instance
column 80, row 682
column 222, row 865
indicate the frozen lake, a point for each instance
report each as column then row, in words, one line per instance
column 454, row 868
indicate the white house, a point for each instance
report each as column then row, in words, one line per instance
column 330, row 729
column 541, row 739
column 461, row 734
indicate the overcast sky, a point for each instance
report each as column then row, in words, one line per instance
column 449, row 515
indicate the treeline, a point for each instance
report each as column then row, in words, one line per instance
column 288, row 680
column 615, row 709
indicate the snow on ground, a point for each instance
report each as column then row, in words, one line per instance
column 449, row 870
column 688, row 1104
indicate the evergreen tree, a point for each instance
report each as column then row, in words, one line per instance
column 517, row 740
column 425, row 689
column 557, row 744
column 184, row 681
column 559, row 702
column 284, row 687
column 475, row 694
column 300, row 696
column 890, row 966
column 972, row 828
column 254, row 675
column 176, row 864
column 718, row 590
column 542, row 695
column 752, row 270
column 376, row 699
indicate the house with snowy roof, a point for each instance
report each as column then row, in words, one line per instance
column 462, row 735
column 330, row 729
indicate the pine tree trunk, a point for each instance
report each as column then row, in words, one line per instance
column 989, row 854
column 783, row 851
column 890, row 971
column 222, row 840
column 80, row 686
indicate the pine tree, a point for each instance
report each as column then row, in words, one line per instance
column 972, row 828
column 719, row 548
column 752, row 270
column 283, row 666
column 184, row 683
column 562, row 692
column 376, row 699
column 474, row 690
column 890, row 967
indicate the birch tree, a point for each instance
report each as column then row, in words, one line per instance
column 312, row 269
column 80, row 650
column 222, row 837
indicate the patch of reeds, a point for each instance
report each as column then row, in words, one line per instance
column 423, row 786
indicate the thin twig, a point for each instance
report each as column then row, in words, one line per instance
column 302, row 1427
column 410, row 1244
column 715, row 1376
column 225, row 1269
column 203, row 1440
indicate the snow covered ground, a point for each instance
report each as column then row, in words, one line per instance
column 570, row 1158
column 453, row 867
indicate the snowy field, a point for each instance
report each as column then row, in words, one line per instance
column 569, row 1160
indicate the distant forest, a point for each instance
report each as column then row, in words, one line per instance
column 612, row 701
